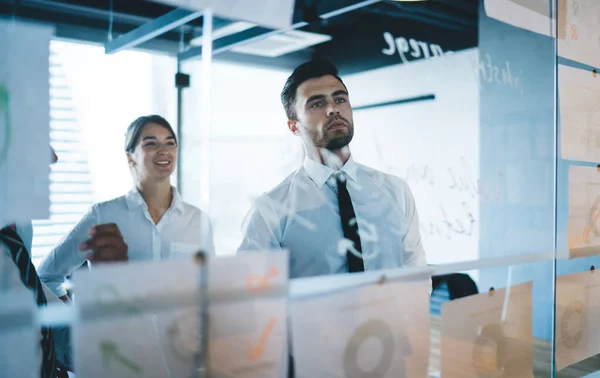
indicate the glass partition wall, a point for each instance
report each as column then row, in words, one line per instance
column 480, row 109
column 387, row 189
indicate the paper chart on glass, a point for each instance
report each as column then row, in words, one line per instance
column 270, row 13
column 577, row 309
column 19, row 334
column 137, row 320
column 24, row 122
column 579, row 106
column 533, row 15
column 579, row 31
column 489, row 334
column 248, row 308
column 377, row 330
column 583, row 224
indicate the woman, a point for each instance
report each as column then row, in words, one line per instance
column 155, row 222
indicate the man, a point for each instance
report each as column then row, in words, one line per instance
column 105, row 245
column 333, row 214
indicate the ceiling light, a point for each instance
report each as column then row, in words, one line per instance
column 233, row 28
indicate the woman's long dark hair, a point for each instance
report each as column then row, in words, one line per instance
column 134, row 130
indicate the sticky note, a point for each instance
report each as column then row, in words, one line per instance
column 577, row 303
column 375, row 330
column 248, row 315
column 579, row 108
column 583, row 224
column 137, row 320
column 489, row 334
column 579, row 31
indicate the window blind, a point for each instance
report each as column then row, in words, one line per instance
column 71, row 192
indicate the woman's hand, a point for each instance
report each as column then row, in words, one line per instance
column 106, row 244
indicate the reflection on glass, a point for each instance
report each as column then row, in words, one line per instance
column 418, row 133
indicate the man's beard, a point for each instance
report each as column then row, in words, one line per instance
column 339, row 143
column 328, row 142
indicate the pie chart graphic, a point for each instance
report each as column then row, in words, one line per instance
column 489, row 351
column 184, row 337
column 498, row 355
column 372, row 328
column 572, row 324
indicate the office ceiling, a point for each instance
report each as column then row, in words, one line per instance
column 357, row 37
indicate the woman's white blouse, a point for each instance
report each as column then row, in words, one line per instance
column 181, row 232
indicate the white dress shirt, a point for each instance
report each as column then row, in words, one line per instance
column 302, row 215
column 182, row 231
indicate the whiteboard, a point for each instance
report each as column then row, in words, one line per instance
column 432, row 145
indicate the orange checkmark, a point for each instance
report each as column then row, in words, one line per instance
column 256, row 282
column 587, row 230
column 256, row 351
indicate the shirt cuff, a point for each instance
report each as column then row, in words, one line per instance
column 56, row 287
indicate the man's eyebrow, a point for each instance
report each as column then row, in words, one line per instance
column 340, row 92
column 315, row 97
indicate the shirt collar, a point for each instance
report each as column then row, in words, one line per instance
column 134, row 200
column 320, row 173
column 177, row 202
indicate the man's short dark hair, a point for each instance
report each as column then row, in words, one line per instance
column 306, row 71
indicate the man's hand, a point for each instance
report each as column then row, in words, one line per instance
column 106, row 244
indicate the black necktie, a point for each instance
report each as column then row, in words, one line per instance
column 29, row 277
column 350, row 227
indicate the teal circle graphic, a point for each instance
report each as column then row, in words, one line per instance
column 494, row 333
column 370, row 328
column 575, row 311
column 510, row 355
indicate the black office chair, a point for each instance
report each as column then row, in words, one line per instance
column 458, row 284
column 448, row 287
